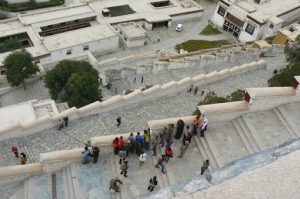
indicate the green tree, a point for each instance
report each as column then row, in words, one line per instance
column 236, row 95
column 19, row 66
column 73, row 81
column 82, row 88
column 9, row 44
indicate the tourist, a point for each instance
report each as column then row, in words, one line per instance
column 169, row 143
column 203, row 127
column 147, row 140
column 95, row 153
column 23, row 158
column 169, row 154
column 134, row 79
column 204, row 166
column 60, row 124
column 196, row 89
column 122, row 156
column 143, row 158
column 142, row 80
column 124, row 168
column 170, row 131
column 191, row 88
column 85, row 155
column 121, row 143
column 187, row 134
column 179, row 130
column 113, row 184
column 139, row 148
column 118, row 121
column 203, row 91
column 183, row 148
column 196, row 123
column 131, row 140
column 15, row 151
column 152, row 183
column 163, row 136
column 127, row 147
column 139, row 138
column 66, row 120
column 161, row 162
column 154, row 145
column 115, row 145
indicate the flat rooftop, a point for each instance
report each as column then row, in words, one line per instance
column 144, row 10
column 261, row 12
column 132, row 30
column 79, row 36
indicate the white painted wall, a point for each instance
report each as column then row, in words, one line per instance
column 100, row 45
column 246, row 37
column 217, row 19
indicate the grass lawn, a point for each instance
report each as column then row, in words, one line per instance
column 194, row 45
column 270, row 39
column 209, row 30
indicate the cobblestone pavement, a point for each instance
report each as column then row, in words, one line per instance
column 134, row 118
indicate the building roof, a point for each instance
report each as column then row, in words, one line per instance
column 132, row 30
column 291, row 32
column 263, row 11
column 144, row 10
column 54, row 14
column 77, row 37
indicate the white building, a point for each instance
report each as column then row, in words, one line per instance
column 132, row 34
column 249, row 20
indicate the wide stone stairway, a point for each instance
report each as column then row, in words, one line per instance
column 223, row 143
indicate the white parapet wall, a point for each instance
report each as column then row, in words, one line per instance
column 18, row 130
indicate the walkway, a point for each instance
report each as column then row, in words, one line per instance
column 134, row 118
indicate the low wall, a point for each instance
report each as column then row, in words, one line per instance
column 18, row 130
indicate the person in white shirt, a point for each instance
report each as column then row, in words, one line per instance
column 143, row 158
column 203, row 127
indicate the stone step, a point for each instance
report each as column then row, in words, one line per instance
column 207, row 153
column 162, row 179
column 39, row 187
column 225, row 143
column 285, row 122
column 244, row 138
column 169, row 174
column 274, row 135
column 114, row 195
column 248, row 134
column 67, row 183
column 208, row 149
column 291, row 113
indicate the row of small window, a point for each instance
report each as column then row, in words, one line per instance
column 69, row 52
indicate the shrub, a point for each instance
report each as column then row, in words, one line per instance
column 210, row 30
column 195, row 45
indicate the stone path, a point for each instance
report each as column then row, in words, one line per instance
column 134, row 117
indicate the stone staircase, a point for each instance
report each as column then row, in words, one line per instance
column 224, row 142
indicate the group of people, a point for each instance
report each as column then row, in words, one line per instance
column 195, row 90
column 87, row 154
column 22, row 155
column 142, row 143
column 63, row 123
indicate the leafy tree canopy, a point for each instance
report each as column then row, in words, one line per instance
column 9, row 44
column 19, row 67
column 73, row 81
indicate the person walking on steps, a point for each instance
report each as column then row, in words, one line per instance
column 183, row 148
column 161, row 162
column 169, row 154
column 122, row 156
column 154, row 145
column 196, row 123
column 85, row 155
column 204, row 166
column 66, row 121
column 113, row 184
column 124, row 168
column 191, row 88
column 152, row 183
column 196, row 89
column 115, row 145
column 143, row 158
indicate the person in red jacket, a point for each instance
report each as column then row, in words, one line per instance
column 169, row 153
column 15, row 151
column 115, row 145
column 121, row 143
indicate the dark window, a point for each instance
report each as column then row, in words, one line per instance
column 161, row 4
column 3, row 72
column 85, row 47
column 234, row 20
column 271, row 26
column 291, row 29
column 250, row 29
column 69, row 52
column 257, row 1
column 221, row 11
